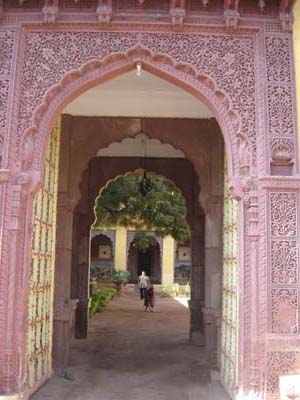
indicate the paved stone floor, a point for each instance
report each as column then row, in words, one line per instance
column 134, row 355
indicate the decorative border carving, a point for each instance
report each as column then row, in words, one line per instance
column 199, row 84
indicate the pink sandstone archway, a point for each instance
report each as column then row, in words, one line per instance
column 94, row 72
column 41, row 77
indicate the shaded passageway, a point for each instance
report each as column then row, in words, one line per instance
column 131, row 354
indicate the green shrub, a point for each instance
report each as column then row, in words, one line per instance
column 100, row 298
column 117, row 275
column 174, row 290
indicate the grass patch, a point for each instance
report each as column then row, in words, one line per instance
column 100, row 298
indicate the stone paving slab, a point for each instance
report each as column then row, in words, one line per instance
column 131, row 354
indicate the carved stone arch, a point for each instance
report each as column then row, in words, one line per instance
column 93, row 72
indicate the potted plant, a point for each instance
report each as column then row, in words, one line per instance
column 119, row 277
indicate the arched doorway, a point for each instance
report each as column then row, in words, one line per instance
column 148, row 260
column 229, row 121
column 83, row 221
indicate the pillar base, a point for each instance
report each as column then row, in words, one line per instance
column 63, row 331
column 82, row 317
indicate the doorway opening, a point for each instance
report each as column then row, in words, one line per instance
column 189, row 151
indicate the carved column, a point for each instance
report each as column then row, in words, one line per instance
column 213, row 276
column 251, row 200
column 14, row 271
column 64, row 307
column 197, row 279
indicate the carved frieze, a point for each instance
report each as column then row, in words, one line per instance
column 225, row 58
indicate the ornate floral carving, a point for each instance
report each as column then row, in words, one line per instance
column 284, row 262
column 283, row 208
column 6, row 51
column 4, row 89
column 280, row 363
column 278, row 59
column 284, row 310
column 282, row 151
column 52, row 54
column 280, row 107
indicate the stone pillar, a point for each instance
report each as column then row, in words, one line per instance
column 16, row 194
column 197, row 275
column 121, row 249
column 213, row 277
column 63, row 305
column 168, row 261
column 83, row 276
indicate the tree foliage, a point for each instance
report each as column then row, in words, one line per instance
column 161, row 210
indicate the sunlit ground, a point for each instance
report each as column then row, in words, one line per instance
column 183, row 300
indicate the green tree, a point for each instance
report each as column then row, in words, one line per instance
column 159, row 208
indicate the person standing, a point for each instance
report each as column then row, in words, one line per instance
column 150, row 299
column 143, row 283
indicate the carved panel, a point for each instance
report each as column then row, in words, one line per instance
column 4, row 89
column 278, row 59
column 283, row 214
column 280, row 102
column 284, row 267
column 280, row 363
column 6, row 51
column 6, row 54
column 40, row 307
column 280, row 107
column 284, row 310
column 282, row 151
column 227, row 59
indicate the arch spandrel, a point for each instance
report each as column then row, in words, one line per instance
column 209, row 66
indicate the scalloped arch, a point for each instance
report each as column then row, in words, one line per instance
column 94, row 72
column 137, row 172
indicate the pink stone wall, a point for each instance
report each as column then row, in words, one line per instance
column 245, row 75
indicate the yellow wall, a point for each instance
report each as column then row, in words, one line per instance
column 121, row 250
column 167, row 255
column 168, row 261
column 296, row 35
